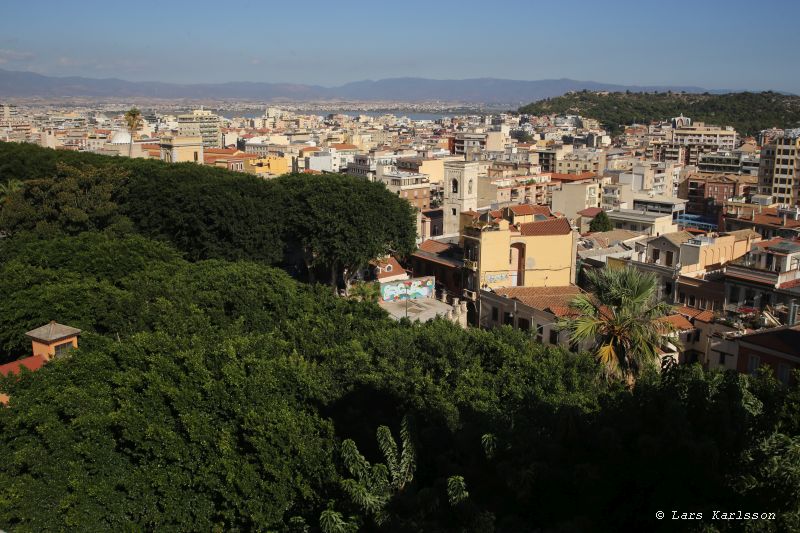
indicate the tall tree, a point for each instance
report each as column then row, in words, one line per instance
column 620, row 320
column 600, row 223
column 133, row 121
column 336, row 224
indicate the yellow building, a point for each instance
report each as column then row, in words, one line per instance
column 529, row 254
column 178, row 149
column 267, row 167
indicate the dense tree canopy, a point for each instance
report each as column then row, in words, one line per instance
column 212, row 391
column 748, row 112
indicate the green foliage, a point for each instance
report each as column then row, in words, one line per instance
column 74, row 200
column 373, row 486
column 7, row 189
column 600, row 222
column 365, row 291
column 456, row 490
column 620, row 318
column 213, row 392
column 325, row 227
column 748, row 112
column 340, row 223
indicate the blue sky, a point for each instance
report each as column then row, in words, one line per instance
column 713, row 44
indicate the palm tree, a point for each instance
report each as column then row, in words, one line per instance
column 8, row 188
column 133, row 121
column 621, row 319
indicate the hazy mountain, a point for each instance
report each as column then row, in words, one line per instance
column 487, row 90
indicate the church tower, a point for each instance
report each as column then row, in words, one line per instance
column 460, row 192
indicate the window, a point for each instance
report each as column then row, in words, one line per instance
column 553, row 336
column 783, row 373
column 195, row 157
column 453, row 211
column 63, row 349
column 454, row 187
column 753, row 364
column 523, row 324
column 495, row 314
column 508, row 318
column 721, row 360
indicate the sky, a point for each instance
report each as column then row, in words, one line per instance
column 712, row 44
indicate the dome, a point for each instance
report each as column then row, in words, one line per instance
column 120, row 137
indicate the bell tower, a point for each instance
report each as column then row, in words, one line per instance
column 460, row 192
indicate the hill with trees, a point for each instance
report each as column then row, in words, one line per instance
column 748, row 112
column 213, row 391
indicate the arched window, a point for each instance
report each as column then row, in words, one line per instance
column 469, row 187
column 455, row 186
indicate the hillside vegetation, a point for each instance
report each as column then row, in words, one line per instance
column 748, row 112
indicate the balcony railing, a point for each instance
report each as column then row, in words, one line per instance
column 469, row 264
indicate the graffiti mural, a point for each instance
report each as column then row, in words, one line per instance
column 409, row 289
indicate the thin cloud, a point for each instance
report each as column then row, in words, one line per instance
column 13, row 56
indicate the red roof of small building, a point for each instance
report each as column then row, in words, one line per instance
column 557, row 176
column 32, row 363
column 555, row 299
column 703, row 315
column 590, row 212
column 679, row 322
column 556, row 226
column 530, row 209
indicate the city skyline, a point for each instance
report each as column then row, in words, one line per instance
column 328, row 45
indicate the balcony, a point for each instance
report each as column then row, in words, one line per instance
column 746, row 269
column 470, row 295
column 470, row 264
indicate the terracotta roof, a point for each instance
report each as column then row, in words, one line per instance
column 530, row 209
column 678, row 321
column 556, row 226
column 343, row 146
column 556, row 176
column 790, row 284
column 767, row 217
column 52, row 332
column 433, row 246
column 544, row 298
column 394, row 268
column 32, row 363
column 590, row 212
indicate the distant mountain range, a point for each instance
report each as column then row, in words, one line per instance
column 478, row 90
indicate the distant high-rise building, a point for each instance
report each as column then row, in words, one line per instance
column 8, row 113
column 203, row 123
column 777, row 174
